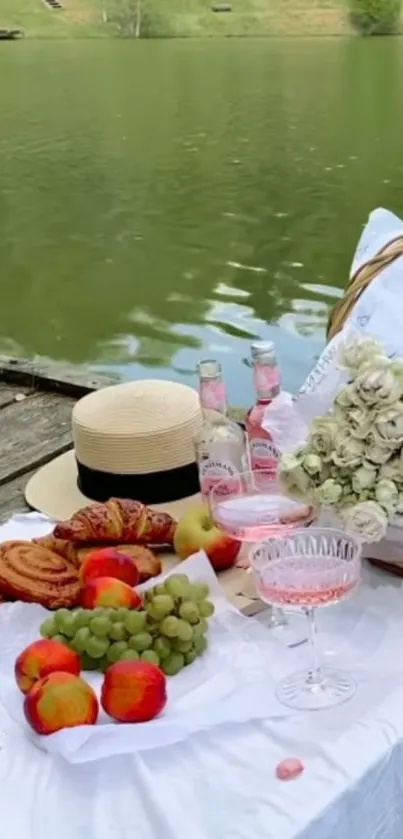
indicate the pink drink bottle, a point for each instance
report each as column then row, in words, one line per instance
column 263, row 453
column 220, row 446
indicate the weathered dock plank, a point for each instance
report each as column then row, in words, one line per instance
column 56, row 378
column 12, row 499
column 32, row 432
column 9, row 394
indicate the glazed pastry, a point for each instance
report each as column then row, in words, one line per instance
column 118, row 520
column 62, row 547
column 32, row 573
column 147, row 563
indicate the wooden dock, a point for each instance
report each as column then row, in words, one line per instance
column 35, row 421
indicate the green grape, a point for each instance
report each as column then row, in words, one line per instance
column 162, row 647
column 79, row 642
column 88, row 663
column 198, row 591
column 189, row 611
column 161, row 606
column 82, row 617
column 206, row 608
column 96, row 647
column 98, row 612
column 190, row 656
column 151, row 656
column 59, row 617
column 48, row 628
column 148, row 595
column 177, row 585
column 169, row 626
column 200, row 628
column 101, row 626
column 122, row 612
column 134, row 622
column 159, row 589
column 184, row 631
column 114, row 615
column 116, row 651
column 173, row 664
column 181, row 646
column 117, row 631
column 103, row 664
column 200, row 644
column 60, row 638
column 140, row 642
column 129, row 655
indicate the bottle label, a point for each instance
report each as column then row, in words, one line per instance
column 267, row 379
column 212, row 394
column 214, row 472
column 264, row 455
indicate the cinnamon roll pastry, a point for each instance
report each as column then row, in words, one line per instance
column 34, row 574
column 62, row 547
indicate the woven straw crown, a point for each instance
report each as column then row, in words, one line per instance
column 137, row 427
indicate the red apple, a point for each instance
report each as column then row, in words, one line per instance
column 60, row 700
column 109, row 562
column 133, row 691
column 41, row 658
column 196, row 530
column 109, row 593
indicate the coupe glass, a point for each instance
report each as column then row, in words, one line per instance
column 251, row 507
column 310, row 568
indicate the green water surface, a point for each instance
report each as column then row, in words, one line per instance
column 161, row 201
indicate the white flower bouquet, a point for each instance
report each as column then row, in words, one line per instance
column 352, row 460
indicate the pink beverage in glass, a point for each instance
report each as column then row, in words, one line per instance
column 263, row 453
column 220, row 445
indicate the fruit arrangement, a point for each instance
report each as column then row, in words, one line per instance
column 167, row 629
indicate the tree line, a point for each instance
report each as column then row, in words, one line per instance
column 376, row 17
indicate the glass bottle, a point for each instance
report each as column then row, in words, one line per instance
column 266, row 375
column 220, row 445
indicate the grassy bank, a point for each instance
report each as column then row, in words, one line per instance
column 179, row 18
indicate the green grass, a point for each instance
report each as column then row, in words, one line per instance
column 176, row 18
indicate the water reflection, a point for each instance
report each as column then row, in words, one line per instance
column 220, row 200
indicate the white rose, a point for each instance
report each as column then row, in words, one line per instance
column 348, row 452
column 328, row 493
column 396, row 366
column 399, row 505
column 388, row 427
column 292, row 477
column 367, row 520
column 376, row 454
column 387, row 495
column 392, row 470
column 363, row 479
column 377, row 387
column 346, row 398
column 312, row 464
column 322, row 436
column 357, row 351
column 360, row 423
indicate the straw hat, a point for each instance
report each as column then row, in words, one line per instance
column 133, row 440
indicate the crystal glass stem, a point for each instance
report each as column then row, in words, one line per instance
column 314, row 674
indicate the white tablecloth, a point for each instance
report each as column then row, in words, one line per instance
column 222, row 784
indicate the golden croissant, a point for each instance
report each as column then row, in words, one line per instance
column 118, row 520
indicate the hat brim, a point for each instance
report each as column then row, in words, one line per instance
column 53, row 491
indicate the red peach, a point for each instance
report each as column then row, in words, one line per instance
column 60, row 700
column 108, row 562
column 109, row 592
column 42, row 658
column 133, row 691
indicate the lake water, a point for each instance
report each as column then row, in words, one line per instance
column 164, row 201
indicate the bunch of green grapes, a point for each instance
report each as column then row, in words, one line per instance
column 169, row 632
column 177, row 612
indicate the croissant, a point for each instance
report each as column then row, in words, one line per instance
column 118, row 520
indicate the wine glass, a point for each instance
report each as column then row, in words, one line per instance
column 251, row 507
column 304, row 570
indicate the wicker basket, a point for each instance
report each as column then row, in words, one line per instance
column 385, row 553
